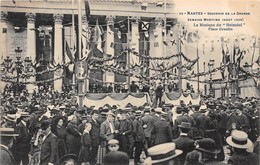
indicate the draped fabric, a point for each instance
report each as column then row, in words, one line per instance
column 119, row 99
column 175, row 97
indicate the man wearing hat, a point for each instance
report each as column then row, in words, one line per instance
column 162, row 154
column 148, row 122
column 139, row 136
column 113, row 145
column 94, row 134
column 10, row 120
column 107, row 128
column 183, row 142
column 69, row 159
column 116, row 158
column 124, row 132
column 21, row 147
column 239, row 142
column 6, row 137
column 49, row 148
column 159, row 94
column 162, row 131
column 203, row 121
column 205, row 152
column 240, row 119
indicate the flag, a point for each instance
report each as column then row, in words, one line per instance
column 87, row 9
column 146, row 34
column 165, row 43
column 98, row 36
column 173, row 42
column 155, row 33
column 122, row 26
column 145, row 26
column 68, row 52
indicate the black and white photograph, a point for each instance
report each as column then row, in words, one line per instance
column 129, row 82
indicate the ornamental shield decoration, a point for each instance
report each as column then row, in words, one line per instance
column 81, row 70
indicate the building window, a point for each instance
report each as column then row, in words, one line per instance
column 4, row 30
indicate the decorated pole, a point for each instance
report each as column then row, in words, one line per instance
column 73, row 36
column 128, row 53
column 198, row 71
column 179, row 58
column 233, row 74
column 80, row 81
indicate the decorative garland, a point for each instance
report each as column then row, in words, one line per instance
column 35, row 82
column 189, row 60
column 153, row 58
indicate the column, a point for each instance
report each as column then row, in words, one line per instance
column 135, row 44
column 85, row 48
column 31, row 46
column 57, row 48
column 3, row 41
column 110, row 76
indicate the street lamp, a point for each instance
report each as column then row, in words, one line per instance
column 20, row 66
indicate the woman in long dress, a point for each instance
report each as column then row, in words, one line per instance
column 59, row 129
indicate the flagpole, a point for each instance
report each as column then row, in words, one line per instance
column 198, row 66
column 73, row 36
column 180, row 60
column 165, row 46
column 80, row 50
column 128, row 53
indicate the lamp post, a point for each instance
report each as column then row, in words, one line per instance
column 18, row 63
column 210, row 66
column 20, row 66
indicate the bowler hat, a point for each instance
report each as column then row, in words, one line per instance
column 239, row 139
column 185, row 125
column 7, row 132
column 116, row 158
column 208, row 145
column 68, row 157
column 162, row 152
column 45, row 124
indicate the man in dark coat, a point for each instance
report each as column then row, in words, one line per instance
column 148, row 122
column 159, row 93
column 49, row 148
column 124, row 130
column 202, row 122
column 183, row 142
column 161, row 132
column 139, row 137
column 21, row 147
column 6, row 137
column 133, row 87
column 94, row 134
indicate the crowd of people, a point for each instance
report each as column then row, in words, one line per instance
column 49, row 128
